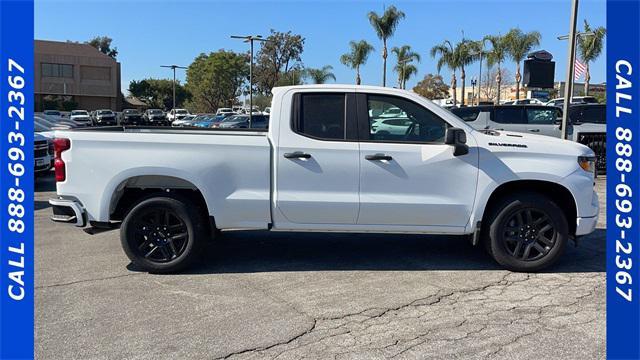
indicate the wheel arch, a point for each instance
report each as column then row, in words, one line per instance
column 557, row 192
column 131, row 190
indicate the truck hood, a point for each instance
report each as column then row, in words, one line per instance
column 508, row 141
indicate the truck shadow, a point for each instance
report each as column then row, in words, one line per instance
column 257, row 251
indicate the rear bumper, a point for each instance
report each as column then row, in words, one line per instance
column 68, row 211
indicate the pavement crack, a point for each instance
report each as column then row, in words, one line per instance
column 86, row 280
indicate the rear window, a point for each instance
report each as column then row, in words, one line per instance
column 321, row 116
column 509, row 115
column 466, row 114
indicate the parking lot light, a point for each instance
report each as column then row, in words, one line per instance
column 174, row 67
column 250, row 39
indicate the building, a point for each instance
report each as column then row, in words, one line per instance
column 69, row 74
column 508, row 92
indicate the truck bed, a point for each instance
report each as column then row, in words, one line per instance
column 230, row 167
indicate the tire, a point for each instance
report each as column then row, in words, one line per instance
column 527, row 233
column 147, row 239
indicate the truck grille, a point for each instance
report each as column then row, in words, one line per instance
column 598, row 143
column 40, row 148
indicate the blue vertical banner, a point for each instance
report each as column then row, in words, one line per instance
column 16, row 179
column 623, row 183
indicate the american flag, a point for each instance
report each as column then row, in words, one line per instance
column 579, row 69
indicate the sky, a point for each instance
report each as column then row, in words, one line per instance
column 153, row 33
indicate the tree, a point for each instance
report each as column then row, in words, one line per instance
column 276, row 57
column 385, row 26
column 448, row 58
column 158, row 93
column 357, row 56
column 320, row 76
column 405, row 55
column 103, row 44
column 589, row 49
column 488, row 84
column 465, row 56
column 519, row 44
column 432, row 87
column 496, row 56
column 216, row 79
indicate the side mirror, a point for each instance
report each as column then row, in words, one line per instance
column 458, row 138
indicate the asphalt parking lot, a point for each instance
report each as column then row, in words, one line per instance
column 290, row 296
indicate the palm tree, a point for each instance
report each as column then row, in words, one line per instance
column 590, row 48
column 496, row 56
column 320, row 76
column 405, row 55
column 465, row 54
column 518, row 46
column 406, row 73
column 385, row 26
column 357, row 56
column 447, row 58
column 478, row 52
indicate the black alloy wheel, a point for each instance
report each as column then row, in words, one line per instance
column 529, row 234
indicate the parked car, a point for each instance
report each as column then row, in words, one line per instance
column 176, row 114
column 396, row 126
column 267, row 111
column 131, row 117
column 155, row 117
column 229, row 111
column 319, row 169
column 203, row 121
column 104, row 117
column 188, row 120
column 54, row 122
column 42, row 153
column 543, row 120
column 52, row 113
column 80, row 117
column 574, row 100
column 242, row 122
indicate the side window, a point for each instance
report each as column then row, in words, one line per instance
column 321, row 116
column 509, row 115
column 538, row 116
column 399, row 120
column 595, row 115
column 466, row 114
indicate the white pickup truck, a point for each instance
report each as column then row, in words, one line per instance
column 321, row 167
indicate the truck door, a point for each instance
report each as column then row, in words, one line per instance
column 317, row 162
column 412, row 179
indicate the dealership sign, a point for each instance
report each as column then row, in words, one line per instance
column 623, row 183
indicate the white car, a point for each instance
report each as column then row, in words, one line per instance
column 396, row 126
column 224, row 111
column 574, row 100
column 177, row 114
column 169, row 191
column 266, row 111
column 80, row 117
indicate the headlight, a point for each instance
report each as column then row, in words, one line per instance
column 587, row 163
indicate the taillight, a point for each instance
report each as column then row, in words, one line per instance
column 60, row 145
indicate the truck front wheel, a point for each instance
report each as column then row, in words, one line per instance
column 528, row 232
column 163, row 234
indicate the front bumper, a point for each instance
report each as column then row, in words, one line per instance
column 68, row 211
column 586, row 225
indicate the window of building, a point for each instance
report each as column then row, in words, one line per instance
column 57, row 70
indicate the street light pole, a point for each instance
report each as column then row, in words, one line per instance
column 571, row 57
column 173, row 67
column 250, row 39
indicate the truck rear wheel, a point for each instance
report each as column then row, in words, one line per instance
column 528, row 232
column 163, row 234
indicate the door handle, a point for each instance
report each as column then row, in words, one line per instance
column 500, row 129
column 534, row 130
column 378, row 157
column 297, row 155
